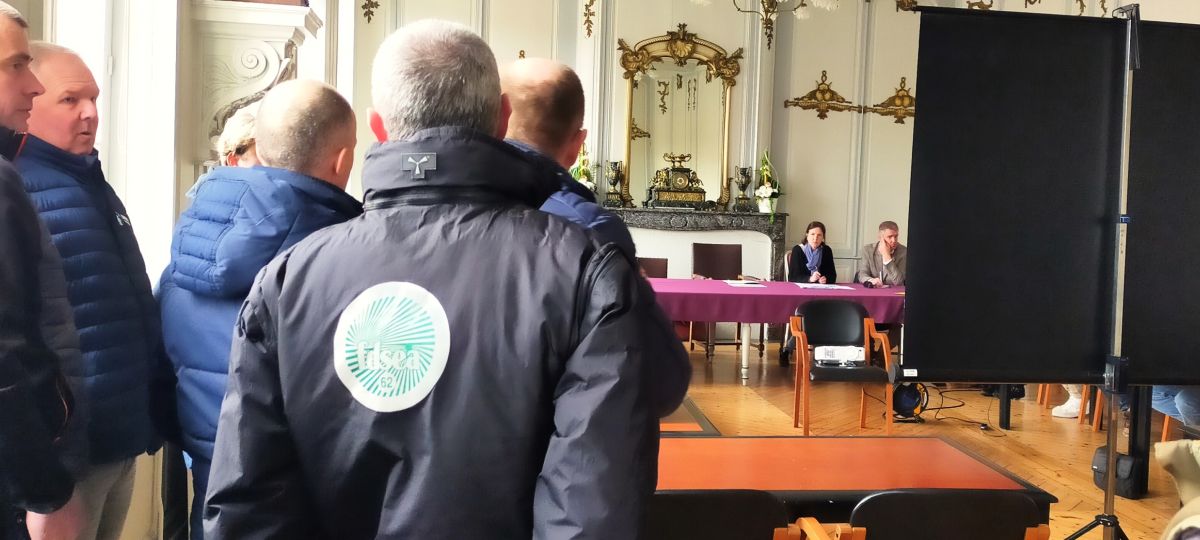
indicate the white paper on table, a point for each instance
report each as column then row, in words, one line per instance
column 743, row 283
column 826, row 286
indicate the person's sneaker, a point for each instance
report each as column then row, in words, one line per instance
column 1070, row 409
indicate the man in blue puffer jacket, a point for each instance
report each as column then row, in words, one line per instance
column 107, row 285
column 239, row 220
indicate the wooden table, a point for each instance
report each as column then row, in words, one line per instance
column 824, row 477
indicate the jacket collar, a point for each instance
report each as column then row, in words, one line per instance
column 552, row 167
column 76, row 165
column 323, row 192
column 454, row 158
column 10, row 143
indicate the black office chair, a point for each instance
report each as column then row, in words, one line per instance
column 838, row 323
column 713, row 515
column 951, row 514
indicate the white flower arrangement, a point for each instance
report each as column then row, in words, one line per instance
column 766, row 191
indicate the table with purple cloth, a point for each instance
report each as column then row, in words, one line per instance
column 713, row 300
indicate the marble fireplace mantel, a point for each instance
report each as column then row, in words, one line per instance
column 667, row 219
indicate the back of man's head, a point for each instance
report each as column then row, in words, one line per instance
column 547, row 107
column 435, row 73
column 307, row 127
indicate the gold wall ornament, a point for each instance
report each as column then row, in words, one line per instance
column 637, row 132
column 634, row 62
column 1032, row 2
column 726, row 68
column 369, row 7
column 521, row 53
column 681, row 44
column 823, row 99
column 906, row 5
column 664, row 89
column 900, row 105
column 588, row 13
column 980, row 5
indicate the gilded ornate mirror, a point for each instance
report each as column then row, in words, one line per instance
column 677, row 90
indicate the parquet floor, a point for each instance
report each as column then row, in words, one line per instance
column 1053, row 453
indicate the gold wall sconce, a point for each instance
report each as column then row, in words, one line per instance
column 824, row 99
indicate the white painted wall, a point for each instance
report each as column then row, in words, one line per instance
column 676, row 247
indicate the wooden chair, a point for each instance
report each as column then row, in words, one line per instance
column 713, row 515
column 931, row 515
column 654, row 267
column 838, row 322
column 718, row 261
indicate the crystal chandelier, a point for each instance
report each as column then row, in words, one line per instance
column 768, row 10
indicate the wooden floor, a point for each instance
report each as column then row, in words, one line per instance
column 1053, row 453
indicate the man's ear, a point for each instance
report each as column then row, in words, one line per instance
column 342, row 165
column 376, row 123
column 572, row 150
column 502, row 120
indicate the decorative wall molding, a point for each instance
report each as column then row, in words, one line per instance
column 900, row 105
column 243, row 50
column 588, row 15
column 369, row 7
column 906, row 5
column 980, row 5
column 675, row 220
column 822, row 99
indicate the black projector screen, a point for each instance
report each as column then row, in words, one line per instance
column 1015, row 177
column 1162, row 281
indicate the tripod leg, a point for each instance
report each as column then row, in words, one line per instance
column 1086, row 529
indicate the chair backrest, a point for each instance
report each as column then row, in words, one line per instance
column 833, row 322
column 717, row 261
column 716, row 515
column 946, row 515
column 654, row 267
column 787, row 263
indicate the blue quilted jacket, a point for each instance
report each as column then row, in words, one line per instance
column 109, row 293
column 238, row 221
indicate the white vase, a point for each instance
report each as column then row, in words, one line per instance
column 764, row 205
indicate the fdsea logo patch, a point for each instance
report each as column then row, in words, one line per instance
column 391, row 346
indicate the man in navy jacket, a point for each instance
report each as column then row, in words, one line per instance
column 240, row 219
column 37, row 488
column 108, row 289
column 547, row 123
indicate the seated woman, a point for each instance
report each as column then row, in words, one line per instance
column 812, row 261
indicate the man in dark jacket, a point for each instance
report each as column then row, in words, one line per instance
column 547, row 121
column 37, row 490
column 453, row 363
column 109, row 291
column 240, row 219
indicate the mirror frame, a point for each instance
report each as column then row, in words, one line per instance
column 679, row 46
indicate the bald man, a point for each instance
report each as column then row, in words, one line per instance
column 107, row 287
column 547, row 124
column 239, row 220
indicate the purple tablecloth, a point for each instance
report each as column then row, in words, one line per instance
column 716, row 301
